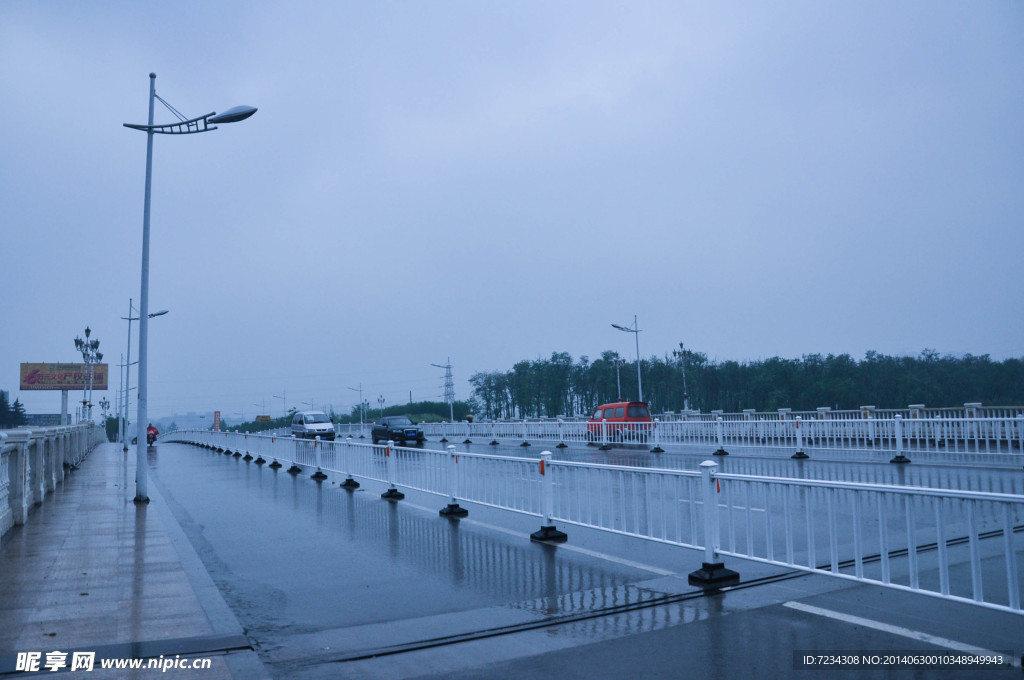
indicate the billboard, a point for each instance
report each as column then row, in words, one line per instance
column 62, row 376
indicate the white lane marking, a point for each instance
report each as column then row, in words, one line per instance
column 898, row 630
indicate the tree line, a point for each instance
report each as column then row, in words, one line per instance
column 561, row 386
column 11, row 415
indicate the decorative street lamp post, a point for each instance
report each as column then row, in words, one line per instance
column 90, row 356
column 182, row 127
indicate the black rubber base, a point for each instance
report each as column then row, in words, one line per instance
column 657, row 449
column 319, row 476
column 720, row 452
column 247, row 457
column 549, row 535
column 260, row 461
column 392, row 495
column 455, row 510
column 713, row 575
column 799, row 455
column 561, row 445
column 494, row 442
column 141, row 501
column 604, row 447
column 275, row 465
column 900, row 459
column 294, row 470
column 349, row 484
column 237, row 454
column 525, row 444
column 443, row 440
column 468, row 441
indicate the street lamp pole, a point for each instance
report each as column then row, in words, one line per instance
column 200, row 124
column 635, row 330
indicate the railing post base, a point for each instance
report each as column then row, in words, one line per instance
column 900, row 459
column 453, row 510
column 467, row 441
column 799, row 455
column 237, row 454
column 318, row 475
column 525, row 444
column 494, row 442
column 549, row 535
column 349, row 484
column 657, row 449
column 561, row 445
column 260, row 460
column 275, row 465
column 713, row 575
column 720, row 452
column 392, row 494
column 247, row 457
column 294, row 470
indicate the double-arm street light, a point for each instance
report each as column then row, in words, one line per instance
column 182, row 127
column 128, row 369
column 635, row 330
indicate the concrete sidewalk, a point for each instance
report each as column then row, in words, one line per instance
column 92, row 572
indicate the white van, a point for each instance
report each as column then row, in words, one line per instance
column 310, row 424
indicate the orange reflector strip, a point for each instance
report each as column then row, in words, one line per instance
column 542, row 466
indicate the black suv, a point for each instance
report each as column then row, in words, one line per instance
column 398, row 429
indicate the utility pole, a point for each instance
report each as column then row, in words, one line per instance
column 449, row 387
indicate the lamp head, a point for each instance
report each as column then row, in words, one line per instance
column 233, row 115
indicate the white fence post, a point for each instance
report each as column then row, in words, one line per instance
column 561, row 436
column 657, row 437
column 712, row 574
column 604, row 435
column 318, row 450
column 349, row 483
column 899, row 457
column 453, row 509
column 547, row 533
column 721, row 438
column 392, row 494
column 494, row 439
column 799, row 455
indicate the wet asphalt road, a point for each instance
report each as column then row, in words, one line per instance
column 330, row 583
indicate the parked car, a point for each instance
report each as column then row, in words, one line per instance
column 627, row 421
column 398, row 429
column 311, row 424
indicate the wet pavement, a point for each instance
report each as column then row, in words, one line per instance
column 91, row 571
column 322, row 582
column 334, row 583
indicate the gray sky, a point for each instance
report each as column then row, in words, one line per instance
column 497, row 181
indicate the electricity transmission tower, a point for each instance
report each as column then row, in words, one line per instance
column 449, row 387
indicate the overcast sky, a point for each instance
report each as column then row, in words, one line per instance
column 494, row 181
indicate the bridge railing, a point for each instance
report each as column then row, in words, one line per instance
column 33, row 461
column 956, row 545
column 938, row 434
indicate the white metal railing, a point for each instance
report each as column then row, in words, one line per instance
column 957, row 545
column 966, row 435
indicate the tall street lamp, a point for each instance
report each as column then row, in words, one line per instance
column 128, row 369
column 635, row 330
column 362, row 406
column 182, row 127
